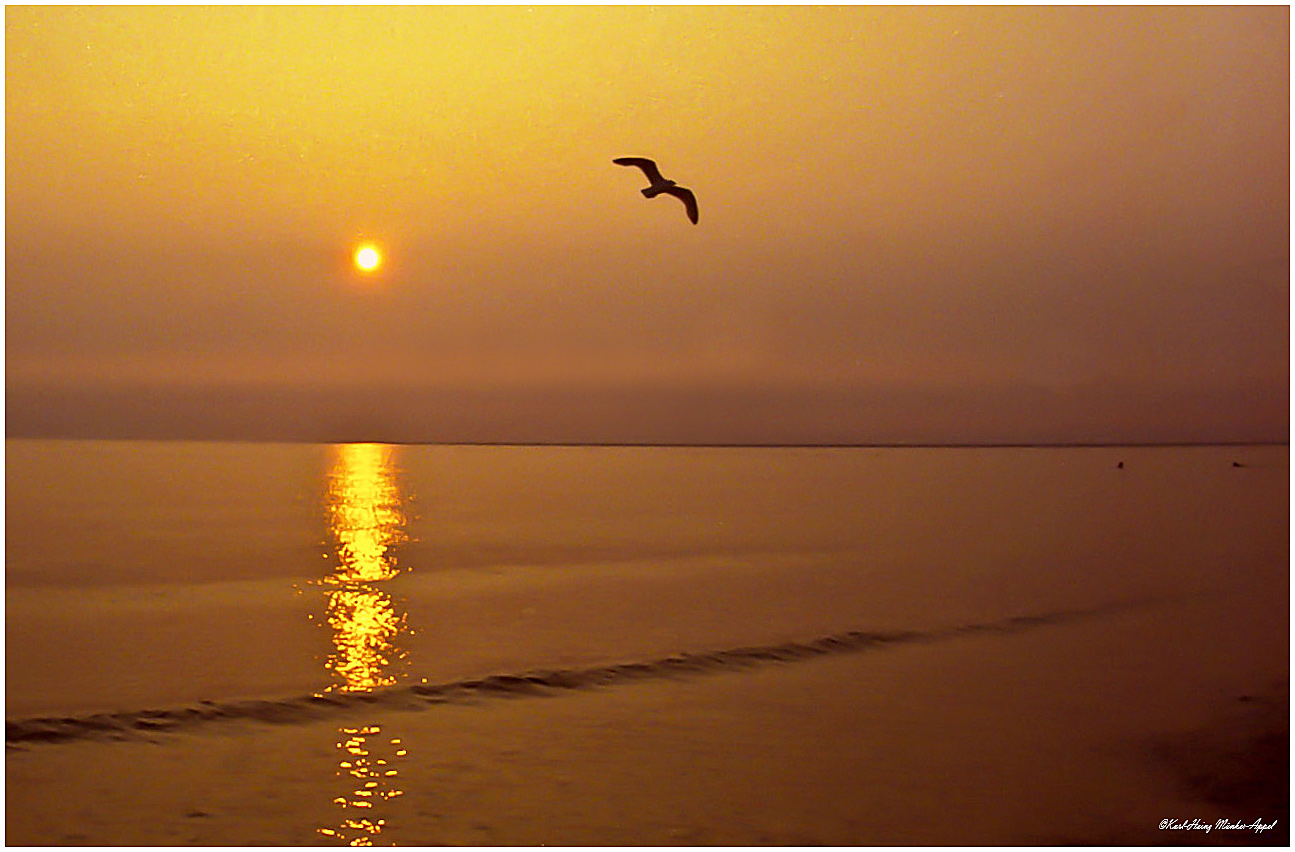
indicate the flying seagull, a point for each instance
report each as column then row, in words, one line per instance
column 660, row 184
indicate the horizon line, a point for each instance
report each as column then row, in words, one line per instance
column 683, row 444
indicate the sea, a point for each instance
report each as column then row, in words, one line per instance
column 190, row 578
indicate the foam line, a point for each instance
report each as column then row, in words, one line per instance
column 534, row 683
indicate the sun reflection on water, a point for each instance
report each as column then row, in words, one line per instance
column 366, row 521
column 373, row 778
column 364, row 511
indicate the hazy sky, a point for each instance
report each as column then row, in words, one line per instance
column 916, row 223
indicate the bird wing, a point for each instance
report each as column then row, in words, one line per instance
column 649, row 168
column 689, row 200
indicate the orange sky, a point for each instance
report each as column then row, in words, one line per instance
column 972, row 209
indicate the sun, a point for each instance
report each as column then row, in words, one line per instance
column 367, row 258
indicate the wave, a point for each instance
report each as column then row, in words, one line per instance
column 311, row 708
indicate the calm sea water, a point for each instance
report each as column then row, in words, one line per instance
column 146, row 574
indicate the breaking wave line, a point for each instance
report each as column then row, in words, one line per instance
column 533, row 683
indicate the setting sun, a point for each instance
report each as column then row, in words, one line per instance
column 367, row 258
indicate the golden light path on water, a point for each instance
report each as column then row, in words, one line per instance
column 366, row 521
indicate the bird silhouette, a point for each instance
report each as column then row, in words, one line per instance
column 660, row 184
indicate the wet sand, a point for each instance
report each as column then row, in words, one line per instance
column 1084, row 730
